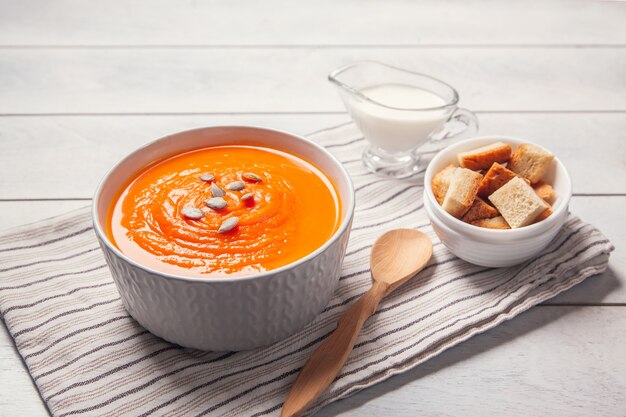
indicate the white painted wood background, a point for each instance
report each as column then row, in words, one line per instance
column 83, row 83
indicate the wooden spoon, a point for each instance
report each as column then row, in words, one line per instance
column 396, row 257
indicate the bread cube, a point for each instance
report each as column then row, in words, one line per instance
column 544, row 215
column 495, row 178
column 479, row 210
column 530, row 161
column 461, row 192
column 492, row 223
column 441, row 182
column 484, row 157
column 544, row 191
column 518, row 203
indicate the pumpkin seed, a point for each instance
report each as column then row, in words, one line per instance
column 192, row 213
column 206, row 177
column 235, row 185
column 251, row 176
column 215, row 203
column 216, row 191
column 247, row 196
column 228, row 225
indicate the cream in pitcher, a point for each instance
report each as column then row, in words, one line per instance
column 398, row 111
column 393, row 130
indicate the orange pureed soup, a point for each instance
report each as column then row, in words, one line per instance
column 294, row 209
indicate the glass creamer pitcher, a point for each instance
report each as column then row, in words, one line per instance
column 398, row 111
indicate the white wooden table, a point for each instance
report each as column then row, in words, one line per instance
column 83, row 83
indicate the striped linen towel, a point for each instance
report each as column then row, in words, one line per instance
column 88, row 357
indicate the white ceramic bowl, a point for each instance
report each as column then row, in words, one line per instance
column 225, row 314
column 489, row 247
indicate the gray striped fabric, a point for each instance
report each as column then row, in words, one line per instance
column 89, row 358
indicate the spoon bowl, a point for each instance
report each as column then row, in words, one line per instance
column 398, row 255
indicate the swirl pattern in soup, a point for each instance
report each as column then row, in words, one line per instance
column 294, row 210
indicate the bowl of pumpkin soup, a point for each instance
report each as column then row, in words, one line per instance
column 225, row 238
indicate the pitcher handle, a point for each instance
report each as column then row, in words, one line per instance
column 461, row 123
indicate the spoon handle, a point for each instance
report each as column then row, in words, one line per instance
column 328, row 359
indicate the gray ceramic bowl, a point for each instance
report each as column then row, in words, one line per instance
column 226, row 313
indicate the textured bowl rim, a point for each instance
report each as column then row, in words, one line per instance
column 463, row 228
column 343, row 226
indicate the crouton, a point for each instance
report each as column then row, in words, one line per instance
column 544, row 191
column 461, row 192
column 530, row 161
column 518, row 203
column 495, row 178
column 441, row 182
column 544, row 215
column 484, row 157
column 479, row 210
column 492, row 223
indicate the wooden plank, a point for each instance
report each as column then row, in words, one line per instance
column 67, row 156
column 547, row 361
column 604, row 212
column 294, row 79
column 551, row 360
column 326, row 22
